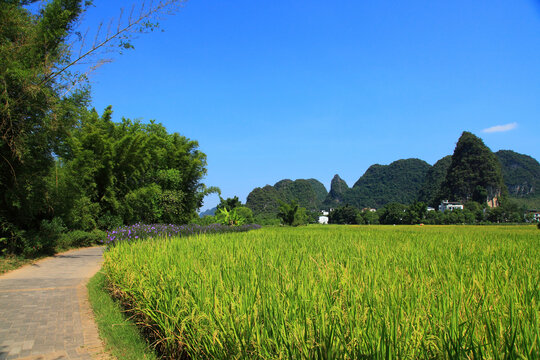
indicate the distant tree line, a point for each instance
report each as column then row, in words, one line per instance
column 417, row 213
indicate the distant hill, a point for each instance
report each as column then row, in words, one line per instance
column 308, row 193
column 209, row 212
column 381, row 184
column 521, row 174
column 339, row 192
column 474, row 174
column 405, row 181
column 435, row 176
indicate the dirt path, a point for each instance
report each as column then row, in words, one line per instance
column 44, row 309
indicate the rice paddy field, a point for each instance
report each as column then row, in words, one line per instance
column 337, row 292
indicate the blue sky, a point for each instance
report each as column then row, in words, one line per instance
column 307, row 89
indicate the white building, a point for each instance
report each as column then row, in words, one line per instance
column 535, row 215
column 448, row 205
column 323, row 219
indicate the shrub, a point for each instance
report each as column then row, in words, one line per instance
column 108, row 221
column 45, row 240
column 79, row 238
column 205, row 221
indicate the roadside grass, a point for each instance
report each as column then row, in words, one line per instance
column 13, row 262
column 120, row 335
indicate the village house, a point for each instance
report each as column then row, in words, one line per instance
column 449, row 205
column 323, row 218
column 535, row 215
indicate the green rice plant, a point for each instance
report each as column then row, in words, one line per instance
column 337, row 292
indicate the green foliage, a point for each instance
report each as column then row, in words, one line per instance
column 119, row 333
column 266, row 220
column 245, row 213
column 143, row 205
column 416, row 213
column 79, row 238
column 205, row 220
column 34, row 117
column 229, row 203
column 393, row 214
column 231, row 218
column 474, row 172
column 338, row 191
column 344, row 215
column 60, row 160
column 44, row 241
column 398, row 182
column 265, row 202
column 292, row 214
column 129, row 170
column 368, row 217
column 429, row 192
column 287, row 212
column 521, row 174
column 301, row 217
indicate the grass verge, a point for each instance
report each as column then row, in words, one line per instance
column 120, row 335
column 13, row 262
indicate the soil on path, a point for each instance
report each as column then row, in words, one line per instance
column 44, row 309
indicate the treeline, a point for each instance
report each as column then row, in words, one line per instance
column 418, row 213
column 103, row 175
column 232, row 212
column 66, row 172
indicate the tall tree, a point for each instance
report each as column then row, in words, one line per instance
column 33, row 113
column 41, row 100
column 128, row 172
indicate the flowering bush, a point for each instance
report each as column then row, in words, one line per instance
column 144, row 231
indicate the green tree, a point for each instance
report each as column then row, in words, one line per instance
column 229, row 217
column 292, row 214
column 393, row 213
column 344, row 215
column 42, row 98
column 33, row 113
column 245, row 213
column 415, row 213
column 287, row 212
column 229, row 203
column 128, row 172
column 369, row 217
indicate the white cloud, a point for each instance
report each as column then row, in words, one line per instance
column 500, row 128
